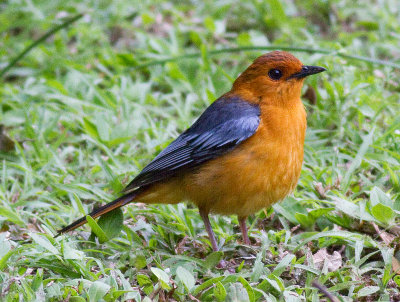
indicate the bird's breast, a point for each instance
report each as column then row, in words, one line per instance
column 259, row 172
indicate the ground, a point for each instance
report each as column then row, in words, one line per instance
column 86, row 108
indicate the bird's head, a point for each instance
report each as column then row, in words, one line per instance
column 275, row 77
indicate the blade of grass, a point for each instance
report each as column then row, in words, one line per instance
column 272, row 47
column 367, row 141
column 38, row 41
column 96, row 229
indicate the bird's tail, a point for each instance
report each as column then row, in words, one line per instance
column 115, row 204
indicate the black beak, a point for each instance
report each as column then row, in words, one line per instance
column 306, row 71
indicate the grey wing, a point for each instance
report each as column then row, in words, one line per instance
column 223, row 125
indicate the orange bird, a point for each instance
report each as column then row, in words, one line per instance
column 244, row 152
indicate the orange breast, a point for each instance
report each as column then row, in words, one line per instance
column 259, row 172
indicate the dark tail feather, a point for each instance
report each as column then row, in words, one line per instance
column 117, row 203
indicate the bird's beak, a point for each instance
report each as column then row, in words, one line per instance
column 306, row 71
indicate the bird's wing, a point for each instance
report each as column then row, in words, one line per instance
column 223, row 125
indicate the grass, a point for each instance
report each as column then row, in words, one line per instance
column 88, row 107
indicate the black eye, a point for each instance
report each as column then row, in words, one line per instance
column 275, row 74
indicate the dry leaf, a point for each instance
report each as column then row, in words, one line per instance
column 395, row 265
column 6, row 144
column 323, row 259
column 310, row 95
column 386, row 237
column 320, row 189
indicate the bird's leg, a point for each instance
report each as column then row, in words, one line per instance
column 210, row 232
column 243, row 228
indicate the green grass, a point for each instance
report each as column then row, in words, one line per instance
column 90, row 106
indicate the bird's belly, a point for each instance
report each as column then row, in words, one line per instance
column 250, row 178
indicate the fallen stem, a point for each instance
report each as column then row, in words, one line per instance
column 258, row 48
column 325, row 291
column 38, row 41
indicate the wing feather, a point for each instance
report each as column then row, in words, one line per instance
column 223, row 125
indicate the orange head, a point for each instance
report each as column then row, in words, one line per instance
column 274, row 78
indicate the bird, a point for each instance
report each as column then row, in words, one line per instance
column 244, row 153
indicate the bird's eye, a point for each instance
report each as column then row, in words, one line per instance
column 275, row 74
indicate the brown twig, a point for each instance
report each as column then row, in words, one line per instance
column 325, row 291
column 386, row 237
